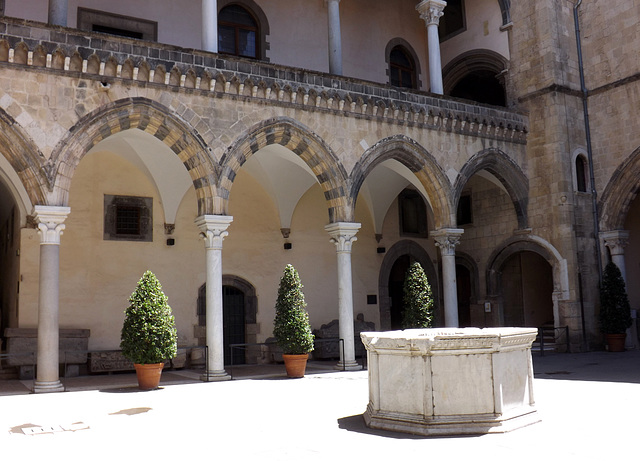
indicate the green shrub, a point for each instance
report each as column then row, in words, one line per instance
column 418, row 302
column 291, row 326
column 615, row 311
column 149, row 331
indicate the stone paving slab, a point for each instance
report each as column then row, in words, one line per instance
column 584, row 417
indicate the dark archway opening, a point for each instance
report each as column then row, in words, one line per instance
column 396, row 283
column 481, row 86
column 463, row 286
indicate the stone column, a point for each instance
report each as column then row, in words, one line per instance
column 214, row 230
column 617, row 241
column 58, row 12
column 49, row 220
column 335, row 37
column 343, row 234
column 447, row 239
column 210, row 25
column 431, row 11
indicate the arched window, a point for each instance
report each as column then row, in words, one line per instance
column 581, row 174
column 238, row 32
column 402, row 69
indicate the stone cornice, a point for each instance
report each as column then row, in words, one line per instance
column 106, row 59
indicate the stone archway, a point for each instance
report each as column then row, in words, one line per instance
column 421, row 163
column 149, row 117
column 411, row 251
column 506, row 171
column 538, row 265
column 290, row 134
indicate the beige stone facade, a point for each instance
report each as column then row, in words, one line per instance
column 286, row 148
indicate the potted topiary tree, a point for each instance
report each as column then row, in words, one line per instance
column 149, row 335
column 418, row 302
column 615, row 311
column 291, row 325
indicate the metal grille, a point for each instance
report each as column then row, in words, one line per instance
column 128, row 220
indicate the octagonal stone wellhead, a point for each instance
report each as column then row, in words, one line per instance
column 450, row 381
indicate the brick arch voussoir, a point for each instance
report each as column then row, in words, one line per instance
column 152, row 118
column 26, row 160
column 620, row 192
column 329, row 172
column 506, row 171
column 420, row 162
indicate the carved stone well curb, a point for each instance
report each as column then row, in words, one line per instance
column 450, row 381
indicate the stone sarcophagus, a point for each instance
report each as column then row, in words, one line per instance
column 450, row 381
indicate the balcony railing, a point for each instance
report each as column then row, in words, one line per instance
column 108, row 59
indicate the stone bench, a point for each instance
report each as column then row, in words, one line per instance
column 22, row 347
column 113, row 361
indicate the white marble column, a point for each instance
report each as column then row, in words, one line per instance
column 343, row 234
column 431, row 11
column 617, row 241
column 446, row 240
column 210, row 25
column 214, row 230
column 49, row 220
column 58, row 12
column 335, row 37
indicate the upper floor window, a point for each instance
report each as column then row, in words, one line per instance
column 464, row 212
column 238, row 32
column 402, row 69
column 453, row 21
column 581, row 174
column 413, row 214
column 128, row 218
column 116, row 24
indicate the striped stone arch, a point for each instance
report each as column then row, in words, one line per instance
column 329, row 172
column 25, row 159
column 622, row 189
column 150, row 117
column 506, row 171
column 420, row 162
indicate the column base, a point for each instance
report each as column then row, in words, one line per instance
column 43, row 387
column 348, row 366
column 213, row 376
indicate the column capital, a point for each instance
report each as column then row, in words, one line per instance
column 447, row 239
column 431, row 11
column 49, row 221
column 214, row 229
column 616, row 241
column 343, row 234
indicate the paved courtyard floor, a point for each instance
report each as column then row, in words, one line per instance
column 589, row 405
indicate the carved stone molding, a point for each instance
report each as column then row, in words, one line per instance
column 431, row 11
column 343, row 235
column 214, row 229
column 49, row 221
column 616, row 241
column 447, row 239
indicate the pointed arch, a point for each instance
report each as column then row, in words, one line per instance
column 419, row 254
column 622, row 189
column 420, row 162
column 537, row 245
column 26, row 161
column 147, row 116
column 292, row 135
column 506, row 171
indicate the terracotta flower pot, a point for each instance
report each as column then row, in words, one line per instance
column 148, row 375
column 295, row 364
column 615, row 342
